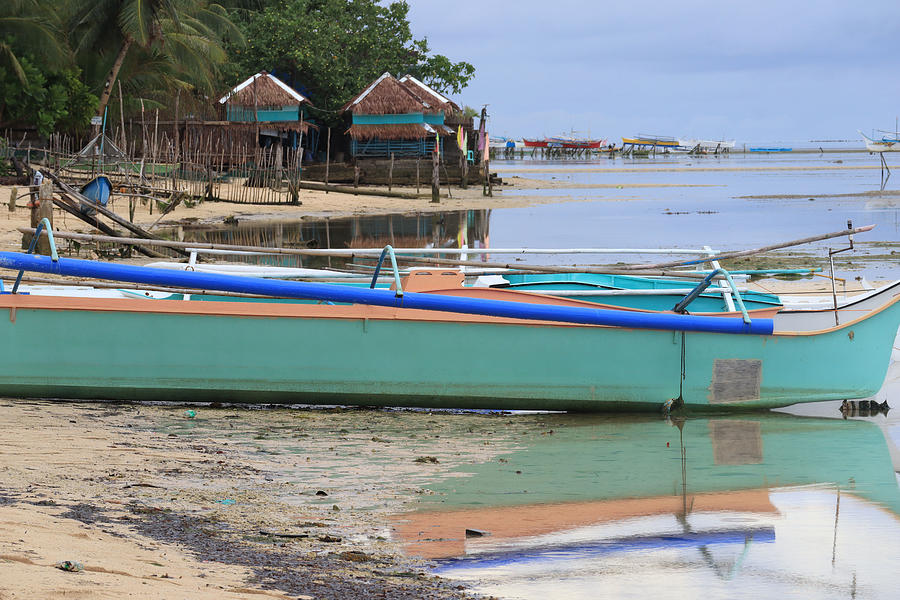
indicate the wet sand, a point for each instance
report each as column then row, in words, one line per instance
column 233, row 503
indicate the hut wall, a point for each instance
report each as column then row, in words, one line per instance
column 399, row 119
column 382, row 148
column 244, row 114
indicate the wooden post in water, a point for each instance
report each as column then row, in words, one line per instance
column 391, row 173
column 356, row 177
column 417, row 175
column 435, row 175
column 13, row 194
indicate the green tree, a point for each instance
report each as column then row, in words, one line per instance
column 331, row 49
column 46, row 100
column 27, row 25
column 170, row 44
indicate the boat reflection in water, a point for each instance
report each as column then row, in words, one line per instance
column 605, row 507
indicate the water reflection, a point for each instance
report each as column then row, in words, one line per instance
column 622, row 508
column 437, row 230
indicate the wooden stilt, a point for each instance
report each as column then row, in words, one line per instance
column 435, row 176
column 390, row 173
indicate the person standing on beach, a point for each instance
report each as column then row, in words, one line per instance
column 36, row 182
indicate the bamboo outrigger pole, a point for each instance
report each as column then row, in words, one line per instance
column 655, row 270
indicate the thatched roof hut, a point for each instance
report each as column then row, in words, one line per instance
column 428, row 96
column 263, row 90
column 388, row 113
column 385, row 96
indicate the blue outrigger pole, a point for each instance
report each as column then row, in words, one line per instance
column 380, row 297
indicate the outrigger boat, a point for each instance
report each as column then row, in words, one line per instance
column 890, row 142
column 400, row 347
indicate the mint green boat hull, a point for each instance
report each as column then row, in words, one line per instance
column 705, row 303
column 125, row 351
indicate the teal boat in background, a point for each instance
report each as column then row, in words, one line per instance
column 707, row 302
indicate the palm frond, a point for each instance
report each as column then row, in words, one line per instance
column 13, row 62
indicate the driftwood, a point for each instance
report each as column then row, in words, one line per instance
column 93, row 221
column 76, row 195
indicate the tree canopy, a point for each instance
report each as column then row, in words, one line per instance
column 62, row 61
column 332, row 49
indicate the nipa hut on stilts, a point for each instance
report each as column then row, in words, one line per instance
column 399, row 118
column 261, row 113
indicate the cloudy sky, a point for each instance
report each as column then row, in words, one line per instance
column 759, row 70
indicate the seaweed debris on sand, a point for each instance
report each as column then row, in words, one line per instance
column 222, row 505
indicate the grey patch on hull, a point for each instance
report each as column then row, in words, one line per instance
column 735, row 380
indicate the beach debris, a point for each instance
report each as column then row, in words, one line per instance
column 312, row 524
column 427, row 459
column 355, row 556
column 190, row 414
column 335, row 508
column 226, row 501
column 321, row 493
column 381, row 440
column 329, row 538
column 863, row 408
column 283, row 535
column 69, row 565
column 476, row 533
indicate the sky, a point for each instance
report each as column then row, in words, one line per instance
column 754, row 71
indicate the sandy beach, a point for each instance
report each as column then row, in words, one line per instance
column 231, row 503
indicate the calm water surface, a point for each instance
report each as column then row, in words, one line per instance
column 729, row 203
column 802, row 505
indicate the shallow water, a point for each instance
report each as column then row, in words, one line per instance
column 729, row 203
column 797, row 503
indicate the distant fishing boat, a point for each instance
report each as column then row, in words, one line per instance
column 705, row 146
column 535, row 143
column 565, row 142
column 658, row 141
column 889, row 142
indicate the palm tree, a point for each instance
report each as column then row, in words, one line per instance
column 27, row 26
column 182, row 39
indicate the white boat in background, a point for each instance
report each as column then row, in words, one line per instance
column 889, row 142
column 705, row 146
